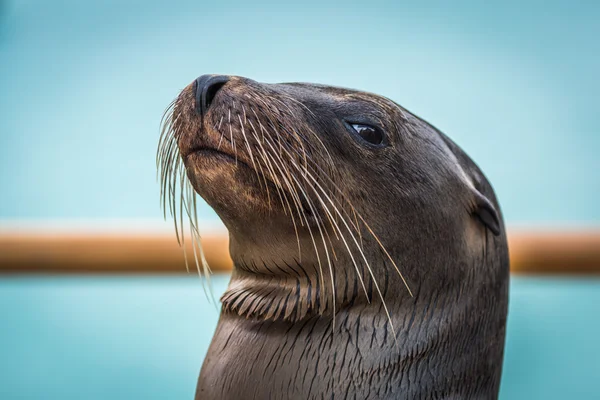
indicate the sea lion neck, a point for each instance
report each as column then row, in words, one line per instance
column 276, row 291
column 293, row 291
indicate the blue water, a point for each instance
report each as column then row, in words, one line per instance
column 142, row 337
column 83, row 86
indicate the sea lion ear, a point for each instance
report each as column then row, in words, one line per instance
column 486, row 212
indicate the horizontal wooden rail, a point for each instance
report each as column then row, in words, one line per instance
column 531, row 253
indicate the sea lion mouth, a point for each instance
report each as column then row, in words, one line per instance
column 219, row 159
column 217, row 154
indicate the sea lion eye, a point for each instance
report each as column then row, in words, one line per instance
column 369, row 133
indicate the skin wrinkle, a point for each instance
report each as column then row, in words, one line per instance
column 294, row 381
column 248, row 306
column 307, row 347
column 276, row 364
column 260, row 350
column 311, row 208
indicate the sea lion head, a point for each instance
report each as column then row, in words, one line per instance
column 327, row 193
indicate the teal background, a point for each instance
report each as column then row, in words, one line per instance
column 145, row 338
column 83, row 86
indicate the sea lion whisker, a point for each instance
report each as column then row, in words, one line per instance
column 171, row 165
column 288, row 178
column 264, row 182
column 168, row 111
column 283, row 171
column 197, row 248
column 315, row 165
column 172, row 198
column 234, row 148
column 266, row 155
column 343, row 220
column 321, row 172
column 309, row 202
column 220, row 140
column 188, row 203
column 163, row 146
column 275, row 180
column 272, row 122
column 325, row 247
column 311, row 131
column 387, row 254
column 312, row 209
column 356, row 225
column 206, row 271
column 306, row 176
column 248, row 146
column 342, row 237
column 305, row 167
column 266, row 152
column 371, row 232
column 328, row 216
column 162, row 189
column 173, row 185
column 182, row 199
column 366, row 263
column 166, row 165
column 286, row 172
column 261, row 152
column 165, row 121
column 299, row 209
column 294, row 132
column 279, row 187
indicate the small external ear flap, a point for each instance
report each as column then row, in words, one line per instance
column 486, row 212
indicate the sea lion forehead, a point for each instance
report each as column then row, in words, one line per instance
column 339, row 92
column 351, row 104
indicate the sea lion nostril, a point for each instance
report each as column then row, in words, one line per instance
column 207, row 87
column 211, row 92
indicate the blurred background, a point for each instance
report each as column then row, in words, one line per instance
column 95, row 302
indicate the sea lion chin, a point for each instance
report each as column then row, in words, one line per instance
column 370, row 256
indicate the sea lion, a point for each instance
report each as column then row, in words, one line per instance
column 370, row 255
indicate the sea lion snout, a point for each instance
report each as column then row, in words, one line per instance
column 206, row 87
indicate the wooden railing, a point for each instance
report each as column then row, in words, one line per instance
column 46, row 252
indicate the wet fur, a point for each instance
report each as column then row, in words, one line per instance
column 383, row 273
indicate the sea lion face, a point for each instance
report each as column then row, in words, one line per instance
column 304, row 171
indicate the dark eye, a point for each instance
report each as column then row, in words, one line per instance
column 370, row 133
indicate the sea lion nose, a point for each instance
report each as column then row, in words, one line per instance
column 207, row 87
